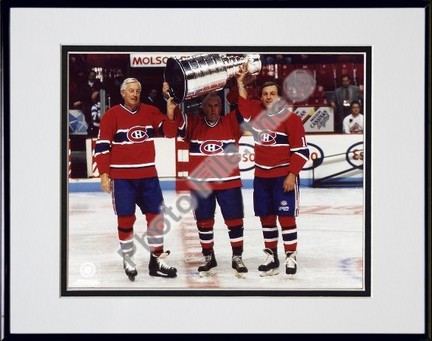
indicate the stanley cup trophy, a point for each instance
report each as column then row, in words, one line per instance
column 189, row 77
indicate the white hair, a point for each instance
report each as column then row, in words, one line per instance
column 128, row 81
column 210, row 95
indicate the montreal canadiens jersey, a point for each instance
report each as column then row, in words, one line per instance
column 213, row 151
column 125, row 147
column 280, row 143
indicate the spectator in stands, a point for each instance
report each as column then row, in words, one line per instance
column 154, row 98
column 353, row 123
column 95, row 111
column 341, row 103
column 151, row 97
column 113, row 90
column 81, row 89
column 94, row 83
column 77, row 67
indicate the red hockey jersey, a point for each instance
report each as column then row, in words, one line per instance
column 213, row 150
column 125, row 147
column 280, row 143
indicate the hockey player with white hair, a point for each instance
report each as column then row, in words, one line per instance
column 214, row 177
column 125, row 156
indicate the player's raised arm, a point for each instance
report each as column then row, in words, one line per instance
column 173, row 111
column 240, row 76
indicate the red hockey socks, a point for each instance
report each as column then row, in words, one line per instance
column 205, row 233
column 155, row 232
column 289, row 232
column 270, row 232
column 235, row 232
column 125, row 233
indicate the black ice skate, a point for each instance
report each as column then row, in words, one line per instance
column 270, row 265
column 291, row 262
column 239, row 267
column 129, row 267
column 207, row 268
column 158, row 267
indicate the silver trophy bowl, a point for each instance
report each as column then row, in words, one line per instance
column 193, row 76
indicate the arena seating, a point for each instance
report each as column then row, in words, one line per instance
column 327, row 76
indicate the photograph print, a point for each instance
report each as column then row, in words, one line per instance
column 209, row 170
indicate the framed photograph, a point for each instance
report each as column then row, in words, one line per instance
column 362, row 234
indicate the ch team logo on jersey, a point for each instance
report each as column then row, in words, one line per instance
column 284, row 206
column 211, row 147
column 267, row 137
column 137, row 134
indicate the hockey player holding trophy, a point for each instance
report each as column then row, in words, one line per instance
column 214, row 175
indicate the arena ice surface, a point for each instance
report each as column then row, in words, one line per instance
column 331, row 246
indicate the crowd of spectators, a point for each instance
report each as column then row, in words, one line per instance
column 338, row 84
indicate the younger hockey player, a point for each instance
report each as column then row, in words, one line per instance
column 280, row 154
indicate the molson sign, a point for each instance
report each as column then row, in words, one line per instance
column 153, row 59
